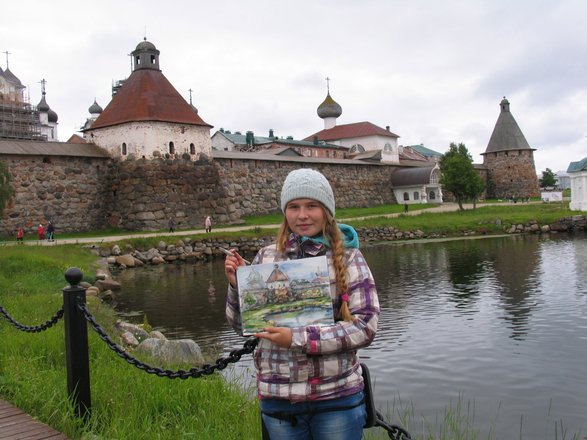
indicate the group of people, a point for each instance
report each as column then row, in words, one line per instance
column 309, row 378
column 43, row 232
column 207, row 224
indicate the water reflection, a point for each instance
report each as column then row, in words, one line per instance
column 502, row 321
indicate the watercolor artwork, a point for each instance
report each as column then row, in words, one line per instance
column 292, row 293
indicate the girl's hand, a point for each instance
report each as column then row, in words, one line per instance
column 230, row 265
column 281, row 336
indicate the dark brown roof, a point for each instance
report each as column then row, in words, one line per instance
column 39, row 148
column 411, row 176
column 76, row 139
column 147, row 96
column 345, row 131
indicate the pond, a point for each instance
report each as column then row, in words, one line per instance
column 495, row 325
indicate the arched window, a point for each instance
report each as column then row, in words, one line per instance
column 357, row 148
column 434, row 177
column 387, row 148
column 406, row 196
column 171, row 148
column 192, row 149
column 432, row 195
column 124, row 151
column 416, row 195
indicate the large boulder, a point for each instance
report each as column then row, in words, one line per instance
column 178, row 352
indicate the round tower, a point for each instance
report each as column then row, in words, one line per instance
column 509, row 159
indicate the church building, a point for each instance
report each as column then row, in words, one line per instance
column 147, row 117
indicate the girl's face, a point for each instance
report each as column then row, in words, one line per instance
column 305, row 217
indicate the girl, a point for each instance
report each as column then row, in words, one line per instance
column 309, row 378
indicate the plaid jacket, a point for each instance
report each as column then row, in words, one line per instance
column 322, row 362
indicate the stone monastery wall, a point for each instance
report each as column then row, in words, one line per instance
column 81, row 194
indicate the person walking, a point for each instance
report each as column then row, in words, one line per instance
column 20, row 235
column 208, row 224
column 41, row 232
column 171, row 224
column 50, row 232
column 309, row 379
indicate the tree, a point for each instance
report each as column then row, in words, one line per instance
column 459, row 176
column 6, row 190
column 548, row 178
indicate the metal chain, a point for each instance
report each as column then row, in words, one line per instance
column 393, row 431
column 33, row 329
column 206, row 369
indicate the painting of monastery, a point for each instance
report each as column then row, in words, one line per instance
column 291, row 293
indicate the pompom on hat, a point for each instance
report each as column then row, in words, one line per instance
column 307, row 183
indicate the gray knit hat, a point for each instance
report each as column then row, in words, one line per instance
column 306, row 183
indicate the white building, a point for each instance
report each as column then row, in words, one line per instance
column 578, row 174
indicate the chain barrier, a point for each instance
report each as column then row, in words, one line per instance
column 206, row 369
column 33, row 329
column 393, row 431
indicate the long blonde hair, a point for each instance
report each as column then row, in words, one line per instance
column 334, row 236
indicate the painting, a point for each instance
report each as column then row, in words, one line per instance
column 292, row 293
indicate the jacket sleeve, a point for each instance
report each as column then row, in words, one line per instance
column 346, row 336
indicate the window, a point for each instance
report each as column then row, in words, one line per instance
column 388, row 148
column 357, row 148
column 434, row 176
column 171, row 148
column 416, row 195
column 152, row 59
column 124, row 151
column 192, row 149
column 432, row 195
column 406, row 196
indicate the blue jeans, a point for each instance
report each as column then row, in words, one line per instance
column 318, row 420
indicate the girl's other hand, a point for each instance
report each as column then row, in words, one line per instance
column 231, row 263
column 281, row 336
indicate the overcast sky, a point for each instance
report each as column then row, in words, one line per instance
column 434, row 71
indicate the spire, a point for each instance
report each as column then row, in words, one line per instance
column 42, row 106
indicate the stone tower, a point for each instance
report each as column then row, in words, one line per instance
column 509, row 160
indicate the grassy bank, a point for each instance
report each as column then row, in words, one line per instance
column 127, row 403
column 130, row 404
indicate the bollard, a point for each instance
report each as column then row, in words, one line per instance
column 76, row 343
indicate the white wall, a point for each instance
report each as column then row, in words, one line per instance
column 144, row 138
column 578, row 191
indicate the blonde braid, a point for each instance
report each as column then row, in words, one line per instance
column 333, row 234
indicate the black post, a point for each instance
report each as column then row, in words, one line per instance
column 76, row 343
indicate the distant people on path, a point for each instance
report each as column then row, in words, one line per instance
column 41, row 232
column 406, row 207
column 20, row 235
column 50, row 232
column 208, row 224
column 171, row 224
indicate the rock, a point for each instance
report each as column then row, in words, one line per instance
column 157, row 335
column 92, row 291
column 108, row 284
column 138, row 332
column 107, row 296
column 115, row 250
column 111, row 260
column 182, row 351
column 129, row 339
column 157, row 260
column 127, row 259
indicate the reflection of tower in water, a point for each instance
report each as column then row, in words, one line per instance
column 516, row 269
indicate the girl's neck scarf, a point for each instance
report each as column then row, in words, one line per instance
column 303, row 246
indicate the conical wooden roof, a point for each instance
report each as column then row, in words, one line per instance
column 506, row 135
